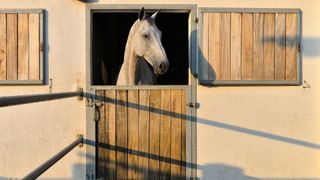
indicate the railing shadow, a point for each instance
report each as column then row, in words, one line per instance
column 208, row 122
column 216, row 171
column 211, row 171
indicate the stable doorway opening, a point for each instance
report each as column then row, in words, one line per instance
column 109, row 35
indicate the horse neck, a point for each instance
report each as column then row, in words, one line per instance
column 130, row 58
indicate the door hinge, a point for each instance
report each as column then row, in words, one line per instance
column 195, row 19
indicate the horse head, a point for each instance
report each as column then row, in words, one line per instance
column 147, row 43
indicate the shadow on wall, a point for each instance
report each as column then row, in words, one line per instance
column 209, row 172
column 223, row 171
column 88, row 1
column 310, row 47
column 208, row 122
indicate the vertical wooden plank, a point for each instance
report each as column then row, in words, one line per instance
column 154, row 146
column 12, row 47
column 291, row 46
column 121, row 136
column 258, row 46
column 247, row 47
column 34, row 47
column 165, row 134
column 268, row 48
column 235, row 46
column 176, row 134
column 133, row 131
column 102, row 151
column 280, row 46
column 23, row 46
column 3, row 46
column 183, row 133
column 205, row 43
column 225, row 46
column 110, row 139
column 214, row 47
column 144, row 132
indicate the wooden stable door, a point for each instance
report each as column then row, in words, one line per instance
column 142, row 134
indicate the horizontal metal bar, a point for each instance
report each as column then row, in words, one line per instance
column 21, row 10
column 21, row 82
column 45, row 166
column 124, row 87
column 135, row 7
column 250, row 82
column 25, row 99
column 250, row 10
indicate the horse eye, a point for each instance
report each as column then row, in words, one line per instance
column 146, row 35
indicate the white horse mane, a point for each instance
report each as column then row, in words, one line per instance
column 143, row 49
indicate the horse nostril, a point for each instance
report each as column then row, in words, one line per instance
column 161, row 66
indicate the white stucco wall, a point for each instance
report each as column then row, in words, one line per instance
column 264, row 132
column 31, row 134
column 243, row 132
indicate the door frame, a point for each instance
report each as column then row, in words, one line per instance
column 191, row 88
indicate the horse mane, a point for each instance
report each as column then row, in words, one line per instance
column 128, row 48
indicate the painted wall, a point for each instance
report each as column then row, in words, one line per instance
column 264, row 132
column 31, row 134
column 243, row 132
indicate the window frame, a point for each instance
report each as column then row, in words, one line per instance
column 42, row 15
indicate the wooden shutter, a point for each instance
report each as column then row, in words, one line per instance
column 249, row 46
column 21, row 58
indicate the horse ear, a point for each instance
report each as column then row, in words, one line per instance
column 141, row 14
column 154, row 15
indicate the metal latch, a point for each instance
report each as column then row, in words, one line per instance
column 91, row 102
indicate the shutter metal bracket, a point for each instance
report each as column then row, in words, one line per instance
column 42, row 47
column 195, row 19
column 80, row 90
column 193, row 105
column 80, row 136
column 306, row 85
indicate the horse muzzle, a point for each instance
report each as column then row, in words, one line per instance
column 162, row 68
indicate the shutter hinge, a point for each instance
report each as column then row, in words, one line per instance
column 195, row 19
column 41, row 47
column 193, row 105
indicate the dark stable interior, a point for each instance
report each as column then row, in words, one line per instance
column 109, row 36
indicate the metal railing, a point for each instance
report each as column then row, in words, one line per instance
column 25, row 99
column 45, row 166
